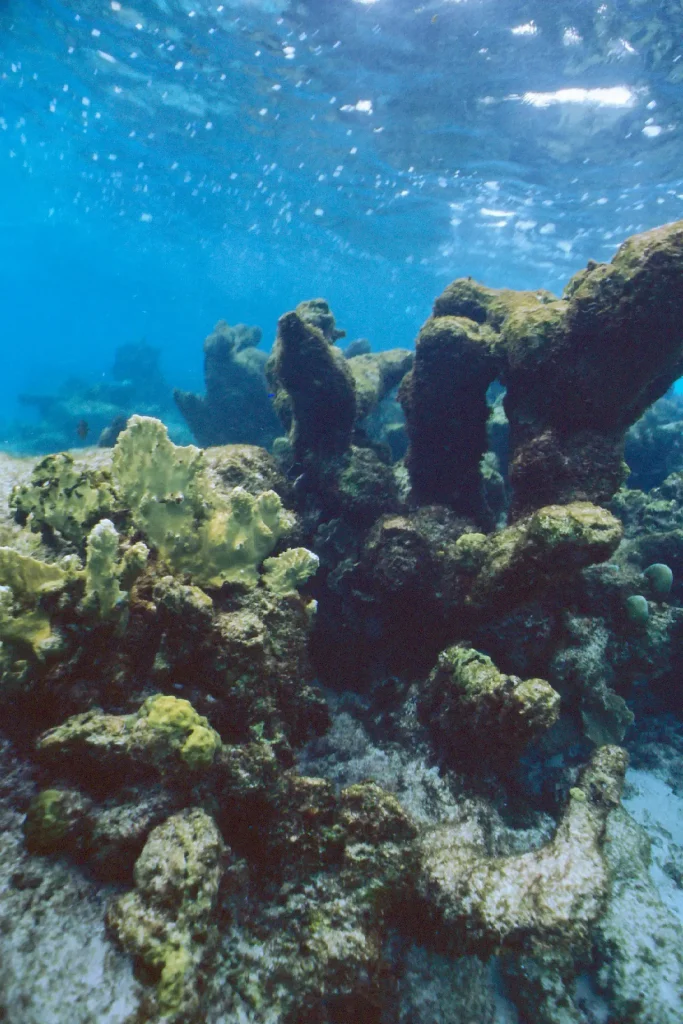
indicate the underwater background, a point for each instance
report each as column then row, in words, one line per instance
column 168, row 164
column 341, row 512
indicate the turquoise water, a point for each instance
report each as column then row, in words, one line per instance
column 169, row 163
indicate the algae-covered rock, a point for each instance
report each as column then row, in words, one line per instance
column 236, row 407
column 167, row 921
column 481, row 713
column 320, row 388
column 318, row 313
column 375, row 374
column 166, row 735
column 54, row 821
column 553, row 896
column 444, row 401
column 578, row 371
column 542, row 549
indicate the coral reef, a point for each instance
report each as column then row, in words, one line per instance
column 327, row 740
column 466, row 700
column 236, row 408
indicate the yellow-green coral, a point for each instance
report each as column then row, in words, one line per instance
column 64, row 497
column 104, row 569
column 27, row 577
column 173, row 503
column 23, row 623
column 290, row 570
column 183, row 729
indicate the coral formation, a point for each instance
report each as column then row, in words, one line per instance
column 551, row 897
column 84, row 413
column 236, row 408
column 167, row 920
column 466, row 700
column 319, row 388
column 578, row 371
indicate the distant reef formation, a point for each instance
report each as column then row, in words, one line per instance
column 340, row 731
column 83, row 413
column 236, row 407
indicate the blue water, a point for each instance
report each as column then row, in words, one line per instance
column 166, row 164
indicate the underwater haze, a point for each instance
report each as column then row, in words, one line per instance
column 169, row 163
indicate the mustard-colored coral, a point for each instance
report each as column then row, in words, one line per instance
column 290, row 570
column 26, row 576
column 191, row 526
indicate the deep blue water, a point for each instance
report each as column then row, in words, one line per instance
column 166, row 164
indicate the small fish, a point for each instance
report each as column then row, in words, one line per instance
column 82, row 429
column 435, row 19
